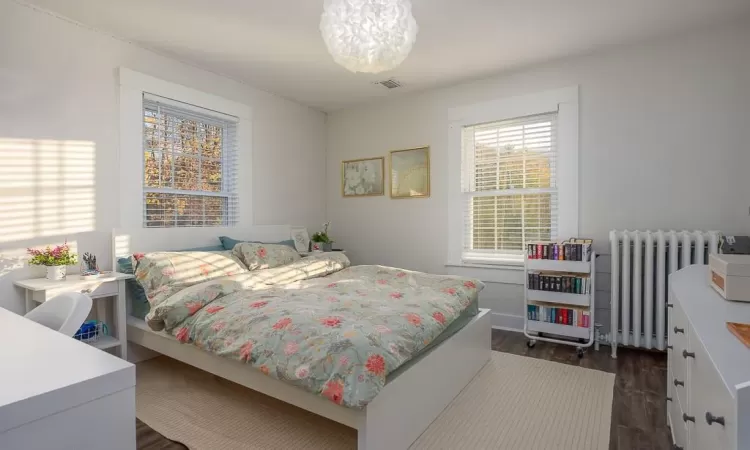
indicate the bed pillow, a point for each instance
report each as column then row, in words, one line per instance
column 229, row 243
column 264, row 256
column 162, row 274
column 136, row 291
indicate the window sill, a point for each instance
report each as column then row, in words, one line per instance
column 505, row 265
column 510, row 272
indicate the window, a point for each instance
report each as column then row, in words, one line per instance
column 513, row 177
column 509, row 185
column 189, row 165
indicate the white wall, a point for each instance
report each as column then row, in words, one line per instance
column 59, row 131
column 663, row 144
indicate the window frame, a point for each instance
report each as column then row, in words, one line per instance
column 133, row 87
column 565, row 102
column 228, row 157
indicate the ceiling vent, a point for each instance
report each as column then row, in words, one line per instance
column 390, row 84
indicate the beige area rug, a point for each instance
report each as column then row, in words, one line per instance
column 515, row 402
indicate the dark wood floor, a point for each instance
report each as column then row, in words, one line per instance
column 638, row 408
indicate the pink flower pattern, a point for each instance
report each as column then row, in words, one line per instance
column 291, row 348
column 193, row 307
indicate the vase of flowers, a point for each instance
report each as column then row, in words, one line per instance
column 55, row 259
column 321, row 241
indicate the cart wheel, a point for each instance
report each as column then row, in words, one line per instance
column 531, row 343
column 579, row 351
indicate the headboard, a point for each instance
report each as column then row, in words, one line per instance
column 125, row 242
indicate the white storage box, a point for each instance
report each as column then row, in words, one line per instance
column 730, row 276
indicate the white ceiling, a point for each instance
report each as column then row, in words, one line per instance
column 275, row 45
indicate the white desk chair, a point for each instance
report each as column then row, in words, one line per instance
column 64, row 313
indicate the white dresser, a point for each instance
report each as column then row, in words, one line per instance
column 708, row 379
column 57, row 393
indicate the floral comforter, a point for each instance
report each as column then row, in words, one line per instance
column 338, row 336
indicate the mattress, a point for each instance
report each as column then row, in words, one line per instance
column 454, row 327
column 472, row 310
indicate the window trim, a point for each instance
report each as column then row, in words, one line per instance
column 565, row 102
column 228, row 159
column 133, row 85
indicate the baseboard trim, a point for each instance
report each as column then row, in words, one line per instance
column 507, row 322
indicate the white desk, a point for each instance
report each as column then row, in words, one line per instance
column 58, row 393
column 109, row 286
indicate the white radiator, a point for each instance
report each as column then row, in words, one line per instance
column 641, row 264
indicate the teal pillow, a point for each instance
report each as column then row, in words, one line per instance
column 229, row 243
column 140, row 305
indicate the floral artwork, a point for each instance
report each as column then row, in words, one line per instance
column 362, row 177
column 410, row 173
column 334, row 330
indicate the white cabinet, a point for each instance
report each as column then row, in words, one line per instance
column 110, row 286
column 57, row 393
column 708, row 369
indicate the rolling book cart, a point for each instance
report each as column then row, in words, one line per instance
column 559, row 300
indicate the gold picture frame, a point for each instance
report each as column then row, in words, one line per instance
column 359, row 177
column 410, row 173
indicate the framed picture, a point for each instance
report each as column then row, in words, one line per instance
column 410, row 173
column 301, row 240
column 363, row 177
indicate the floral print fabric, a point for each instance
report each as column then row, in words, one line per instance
column 338, row 336
column 264, row 256
column 186, row 302
column 163, row 274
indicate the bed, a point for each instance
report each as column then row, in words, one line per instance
column 341, row 310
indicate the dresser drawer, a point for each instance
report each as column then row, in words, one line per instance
column 678, row 341
column 90, row 288
column 710, row 402
column 679, row 429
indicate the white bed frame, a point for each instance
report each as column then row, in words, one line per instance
column 402, row 410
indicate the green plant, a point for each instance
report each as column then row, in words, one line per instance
column 58, row 256
column 322, row 236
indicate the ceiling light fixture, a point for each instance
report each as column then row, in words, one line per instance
column 368, row 36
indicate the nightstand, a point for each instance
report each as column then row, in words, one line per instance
column 110, row 286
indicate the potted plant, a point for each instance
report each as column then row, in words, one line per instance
column 321, row 241
column 55, row 259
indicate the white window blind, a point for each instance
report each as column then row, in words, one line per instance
column 509, row 186
column 189, row 165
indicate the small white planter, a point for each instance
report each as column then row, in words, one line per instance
column 56, row 272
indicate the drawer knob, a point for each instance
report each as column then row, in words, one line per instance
column 686, row 354
column 669, row 347
column 679, row 330
column 86, row 291
column 687, row 418
column 677, row 447
column 670, row 305
column 711, row 419
column 669, row 399
column 678, row 382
